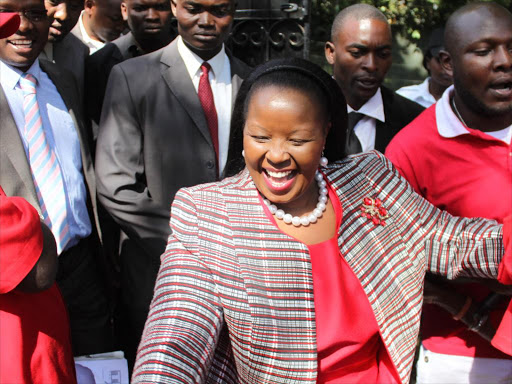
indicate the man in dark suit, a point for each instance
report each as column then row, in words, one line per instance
column 159, row 133
column 45, row 158
column 150, row 29
column 63, row 48
column 360, row 53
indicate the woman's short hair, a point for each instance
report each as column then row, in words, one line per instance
column 301, row 75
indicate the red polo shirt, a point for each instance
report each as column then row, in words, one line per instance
column 467, row 173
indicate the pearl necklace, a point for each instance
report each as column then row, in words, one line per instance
column 306, row 219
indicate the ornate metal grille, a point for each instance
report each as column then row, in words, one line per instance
column 270, row 29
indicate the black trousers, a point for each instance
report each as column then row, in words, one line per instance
column 139, row 269
column 82, row 283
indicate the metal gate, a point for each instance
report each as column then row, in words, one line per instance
column 270, row 29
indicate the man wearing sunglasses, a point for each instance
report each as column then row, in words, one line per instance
column 45, row 158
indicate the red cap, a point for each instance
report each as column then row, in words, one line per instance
column 9, row 24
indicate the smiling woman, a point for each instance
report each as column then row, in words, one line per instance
column 244, row 298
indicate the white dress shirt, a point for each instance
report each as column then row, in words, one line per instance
column 94, row 45
column 365, row 129
column 449, row 125
column 61, row 135
column 418, row 93
column 220, row 81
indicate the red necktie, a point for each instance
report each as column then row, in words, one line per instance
column 206, row 98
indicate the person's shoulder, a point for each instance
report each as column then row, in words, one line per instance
column 419, row 130
column 124, row 42
column 74, row 44
column 409, row 91
column 398, row 101
column 238, row 67
column 103, row 54
column 53, row 70
column 145, row 63
column 360, row 163
column 216, row 189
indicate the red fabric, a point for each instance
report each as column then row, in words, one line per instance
column 35, row 344
column 205, row 94
column 505, row 270
column 350, row 348
column 470, row 176
column 503, row 338
column 20, row 235
column 9, row 24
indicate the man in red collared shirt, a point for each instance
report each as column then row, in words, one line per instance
column 457, row 154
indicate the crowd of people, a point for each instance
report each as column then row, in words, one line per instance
column 226, row 224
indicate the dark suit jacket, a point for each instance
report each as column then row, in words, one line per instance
column 71, row 54
column 399, row 112
column 153, row 140
column 15, row 174
column 98, row 68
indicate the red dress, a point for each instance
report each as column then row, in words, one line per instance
column 350, row 348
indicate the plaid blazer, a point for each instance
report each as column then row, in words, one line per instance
column 234, row 303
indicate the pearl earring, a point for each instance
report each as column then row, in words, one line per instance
column 323, row 160
column 243, row 153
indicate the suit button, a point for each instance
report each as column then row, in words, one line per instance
column 209, row 164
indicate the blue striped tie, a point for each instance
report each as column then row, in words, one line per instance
column 45, row 167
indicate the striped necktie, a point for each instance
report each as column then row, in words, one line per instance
column 45, row 167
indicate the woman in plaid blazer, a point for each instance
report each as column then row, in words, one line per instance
column 234, row 299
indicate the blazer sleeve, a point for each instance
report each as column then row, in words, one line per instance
column 450, row 246
column 185, row 318
column 120, row 170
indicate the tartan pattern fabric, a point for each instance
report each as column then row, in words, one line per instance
column 227, row 265
column 44, row 165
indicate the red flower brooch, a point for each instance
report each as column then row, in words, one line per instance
column 373, row 210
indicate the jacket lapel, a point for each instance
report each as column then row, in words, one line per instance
column 178, row 80
column 375, row 253
column 12, row 145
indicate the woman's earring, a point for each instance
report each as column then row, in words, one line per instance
column 323, row 160
column 243, row 153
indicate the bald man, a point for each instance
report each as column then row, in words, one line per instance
column 360, row 53
column 457, row 155
column 100, row 22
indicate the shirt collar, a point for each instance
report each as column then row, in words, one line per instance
column 11, row 76
column 448, row 124
column 85, row 35
column 372, row 108
column 194, row 62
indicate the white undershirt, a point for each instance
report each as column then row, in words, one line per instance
column 220, row 81
column 366, row 128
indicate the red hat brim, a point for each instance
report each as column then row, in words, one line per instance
column 9, row 24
